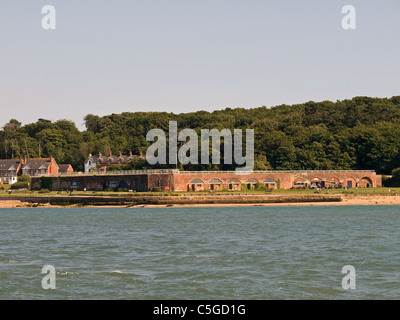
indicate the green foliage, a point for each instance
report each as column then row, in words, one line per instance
column 44, row 190
column 393, row 181
column 260, row 186
column 46, row 182
column 117, row 167
column 19, row 185
column 357, row 134
column 244, row 187
column 396, row 172
column 25, row 178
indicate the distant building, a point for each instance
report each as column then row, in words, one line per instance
column 9, row 170
column 12, row 168
column 100, row 163
column 65, row 169
column 39, row 166
column 175, row 180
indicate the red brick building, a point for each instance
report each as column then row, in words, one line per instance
column 12, row 168
column 39, row 166
column 65, row 169
column 219, row 180
column 175, row 180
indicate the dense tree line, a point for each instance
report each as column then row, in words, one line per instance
column 361, row 133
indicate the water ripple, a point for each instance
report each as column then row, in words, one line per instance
column 201, row 253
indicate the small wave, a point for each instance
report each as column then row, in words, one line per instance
column 66, row 273
column 118, row 271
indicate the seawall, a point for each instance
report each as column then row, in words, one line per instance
column 127, row 200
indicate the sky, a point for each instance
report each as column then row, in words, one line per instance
column 179, row 56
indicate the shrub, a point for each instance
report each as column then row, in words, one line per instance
column 44, row 191
column 260, row 186
column 244, row 187
column 117, row 167
column 396, row 172
column 394, row 181
column 25, row 178
column 19, row 185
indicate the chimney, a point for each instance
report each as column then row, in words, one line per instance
column 130, row 153
column 100, row 154
column 141, row 154
column 90, row 155
column 120, row 154
column 110, row 155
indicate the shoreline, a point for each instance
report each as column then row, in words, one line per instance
column 201, row 201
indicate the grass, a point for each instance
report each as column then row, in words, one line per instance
column 371, row 191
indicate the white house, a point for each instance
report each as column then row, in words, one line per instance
column 9, row 171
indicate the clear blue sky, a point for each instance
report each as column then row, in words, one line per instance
column 184, row 55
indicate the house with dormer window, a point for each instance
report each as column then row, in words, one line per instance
column 9, row 170
column 100, row 163
column 40, row 166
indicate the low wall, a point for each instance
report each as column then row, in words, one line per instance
column 285, row 179
column 171, row 200
column 134, row 182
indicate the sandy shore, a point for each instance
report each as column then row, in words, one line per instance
column 347, row 201
column 355, row 200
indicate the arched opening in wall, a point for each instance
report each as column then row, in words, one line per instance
column 215, row 184
column 366, row 183
column 196, row 185
column 251, row 183
column 299, row 183
column 270, row 183
column 35, row 186
column 316, row 183
column 112, row 184
column 123, row 184
column 91, row 185
column 64, row 186
column 332, row 183
column 234, row 184
column 349, row 183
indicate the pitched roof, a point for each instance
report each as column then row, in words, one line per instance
column 9, row 164
column 36, row 163
column 105, row 160
column 64, row 167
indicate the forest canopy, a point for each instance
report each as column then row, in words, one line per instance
column 357, row 134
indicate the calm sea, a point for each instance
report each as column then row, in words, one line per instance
column 201, row 253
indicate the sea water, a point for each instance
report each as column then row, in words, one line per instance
column 257, row 252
